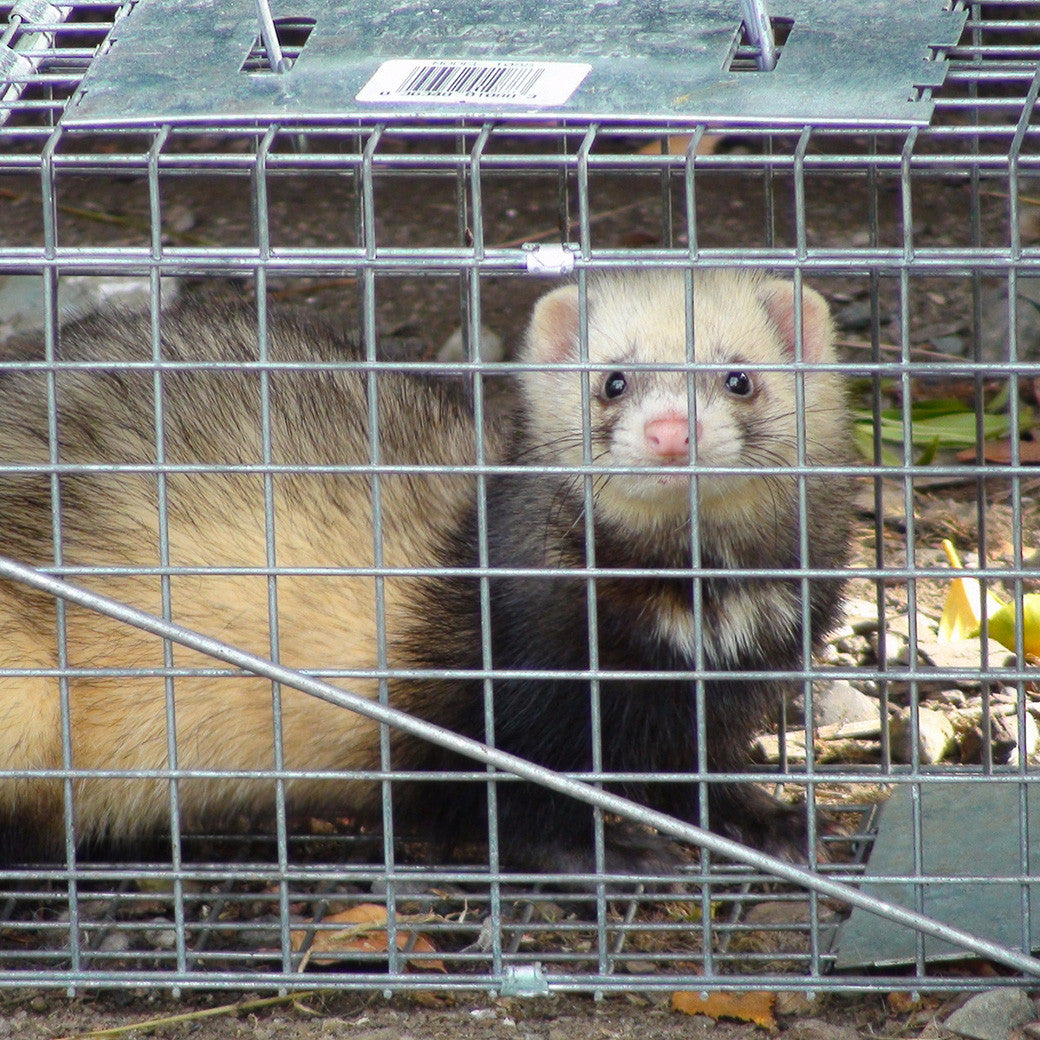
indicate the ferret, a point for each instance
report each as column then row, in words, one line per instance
column 650, row 451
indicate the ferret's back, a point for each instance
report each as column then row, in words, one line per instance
column 179, row 487
column 193, row 431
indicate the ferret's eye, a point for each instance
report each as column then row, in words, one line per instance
column 614, row 385
column 739, row 383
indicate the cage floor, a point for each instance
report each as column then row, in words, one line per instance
column 231, row 911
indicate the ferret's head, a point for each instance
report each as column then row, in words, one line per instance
column 737, row 412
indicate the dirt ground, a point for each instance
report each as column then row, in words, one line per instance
column 429, row 1017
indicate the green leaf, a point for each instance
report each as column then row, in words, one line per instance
column 937, row 424
column 927, row 457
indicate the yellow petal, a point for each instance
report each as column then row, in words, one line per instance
column 1002, row 625
column 962, row 611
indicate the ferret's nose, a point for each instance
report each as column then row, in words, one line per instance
column 668, row 438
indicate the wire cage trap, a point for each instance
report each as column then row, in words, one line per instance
column 152, row 159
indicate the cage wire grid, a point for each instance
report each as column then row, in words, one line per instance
column 311, row 213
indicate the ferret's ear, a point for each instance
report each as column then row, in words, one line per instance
column 817, row 329
column 553, row 332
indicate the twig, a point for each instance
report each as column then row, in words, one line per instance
column 571, row 225
column 112, row 218
column 192, row 1016
column 891, row 348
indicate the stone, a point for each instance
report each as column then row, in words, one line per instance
column 840, row 703
column 936, row 737
column 22, row 302
column 993, row 332
column 856, row 316
column 951, row 344
column 992, row 1015
column 491, row 347
column 818, row 1029
column 958, row 654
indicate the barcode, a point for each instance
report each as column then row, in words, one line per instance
column 461, row 82
column 479, row 81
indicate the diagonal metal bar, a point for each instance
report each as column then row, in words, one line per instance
column 519, row 767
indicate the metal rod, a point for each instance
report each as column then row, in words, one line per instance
column 520, row 767
column 269, row 35
column 760, row 32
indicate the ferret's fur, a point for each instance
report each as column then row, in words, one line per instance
column 745, row 416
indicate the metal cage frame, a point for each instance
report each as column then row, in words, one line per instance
column 209, row 924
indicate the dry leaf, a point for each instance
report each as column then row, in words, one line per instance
column 366, row 934
column 756, row 1007
column 679, row 143
column 901, row 1003
column 999, row 453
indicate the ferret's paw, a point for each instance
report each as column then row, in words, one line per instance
column 628, row 849
column 631, row 849
column 784, row 834
column 749, row 815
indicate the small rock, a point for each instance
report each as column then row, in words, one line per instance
column 791, row 1002
column 162, row 936
column 951, row 344
column 180, row 218
column 1007, row 744
column 839, row 703
column 818, row 1029
column 761, row 915
column 641, row 967
column 491, row 347
column 936, row 737
column 992, row 1015
column 925, row 627
column 861, row 615
column 114, row 942
column 856, row 316
column 22, row 304
column 994, row 326
column 957, row 653
column 949, row 698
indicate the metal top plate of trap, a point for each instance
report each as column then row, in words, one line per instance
column 969, row 830
column 844, row 62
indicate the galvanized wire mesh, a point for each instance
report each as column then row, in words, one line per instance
column 409, row 231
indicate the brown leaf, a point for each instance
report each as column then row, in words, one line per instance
column 999, row 453
column 901, row 1003
column 366, row 933
column 679, row 143
column 756, row 1007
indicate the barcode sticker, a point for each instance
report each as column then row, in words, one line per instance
column 537, row 83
